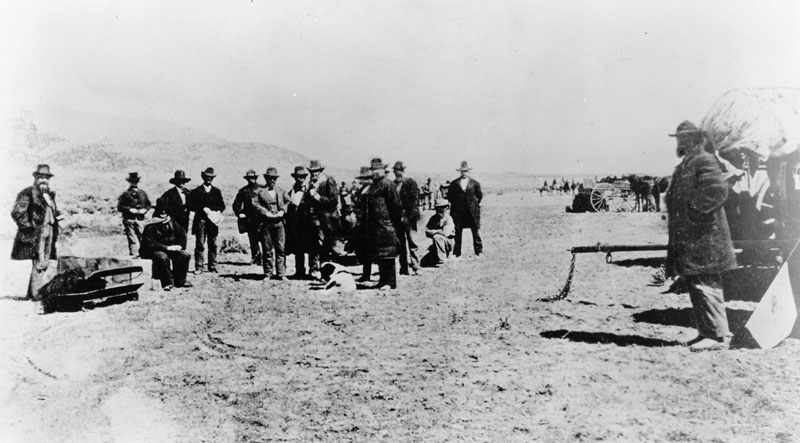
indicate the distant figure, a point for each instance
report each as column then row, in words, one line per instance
column 441, row 230
column 322, row 197
column 270, row 206
column 133, row 204
column 176, row 200
column 207, row 204
column 298, row 222
column 465, row 198
column 426, row 195
column 247, row 219
column 443, row 188
column 408, row 192
column 36, row 215
column 381, row 211
column 164, row 242
column 700, row 247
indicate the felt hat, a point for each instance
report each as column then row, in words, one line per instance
column 161, row 209
column 299, row 171
column 133, row 177
column 250, row 174
column 42, row 171
column 271, row 172
column 365, row 172
column 209, row 172
column 464, row 166
column 376, row 163
column 315, row 165
column 179, row 178
column 686, row 127
column 398, row 166
column 441, row 203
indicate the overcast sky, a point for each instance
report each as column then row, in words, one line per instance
column 539, row 86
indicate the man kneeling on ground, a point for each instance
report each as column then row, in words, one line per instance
column 441, row 230
column 164, row 242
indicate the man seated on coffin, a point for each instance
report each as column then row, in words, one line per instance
column 164, row 242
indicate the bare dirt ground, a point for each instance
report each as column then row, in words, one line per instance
column 460, row 353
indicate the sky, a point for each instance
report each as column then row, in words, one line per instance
column 578, row 87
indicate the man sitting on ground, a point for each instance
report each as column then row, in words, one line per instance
column 164, row 242
column 441, row 230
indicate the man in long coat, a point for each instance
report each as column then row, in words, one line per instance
column 164, row 242
column 408, row 192
column 36, row 215
column 298, row 220
column 247, row 218
column 133, row 204
column 700, row 247
column 464, row 195
column 323, row 201
column 381, row 212
column 176, row 199
column 204, row 200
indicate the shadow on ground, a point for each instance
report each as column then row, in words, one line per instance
column 737, row 318
column 648, row 262
column 608, row 338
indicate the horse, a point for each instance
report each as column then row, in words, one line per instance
column 642, row 188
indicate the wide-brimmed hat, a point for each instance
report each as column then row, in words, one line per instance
column 365, row 172
column 271, row 172
column 250, row 174
column 315, row 165
column 299, row 171
column 377, row 163
column 441, row 203
column 179, row 178
column 133, row 177
column 42, row 171
column 686, row 127
column 399, row 166
column 209, row 172
column 464, row 166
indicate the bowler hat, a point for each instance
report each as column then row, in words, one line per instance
column 299, row 171
column 315, row 165
column 398, row 166
column 271, row 172
column 686, row 127
column 376, row 163
column 365, row 172
column 42, row 171
column 179, row 178
column 209, row 172
column 441, row 203
column 250, row 174
column 133, row 177
column 464, row 166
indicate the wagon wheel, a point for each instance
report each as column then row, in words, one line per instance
column 621, row 201
column 600, row 195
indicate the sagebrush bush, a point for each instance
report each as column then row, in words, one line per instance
column 232, row 244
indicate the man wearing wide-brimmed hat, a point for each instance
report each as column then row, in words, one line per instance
column 176, row 199
column 133, row 204
column 441, row 230
column 36, row 215
column 270, row 206
column 381, row 211
column 408, row 192
column 699, row 247
column 246, row 217
column 205, row 200
column 464, row 195
column 323, row 200
column 298, row 221
column 164, row 242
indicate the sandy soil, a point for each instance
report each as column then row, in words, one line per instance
column 460, row 353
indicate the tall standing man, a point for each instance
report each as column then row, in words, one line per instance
column 36, row 215
column 133, row 204
column 270, row 206
column 700, row 247
column 176, row 199
column 408, row 192
column 464, row 195
column 323, row 199
column 247, row 218
column 205, row 201
column 297, row 221
column 381, row 210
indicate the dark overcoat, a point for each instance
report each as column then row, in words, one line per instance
column 380, row 210
column 243, row 204
column 28, row 214
column 157, row 235
column 699, row 237
column 176, row 209
column 409, row 197
column 199, row 199
column 465, row 206
column 133, row 199
column 325, row 211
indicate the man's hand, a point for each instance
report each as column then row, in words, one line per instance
column 242, row 215
column 314, row 193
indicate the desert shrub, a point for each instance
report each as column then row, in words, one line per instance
column 231, row 244
column 92, row 223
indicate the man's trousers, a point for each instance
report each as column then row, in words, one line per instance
column 273, row 240
column 41, row 265
column 408, row 250
column 133, row 232
column 171, row 267
column 708, row 305
column 206, row 233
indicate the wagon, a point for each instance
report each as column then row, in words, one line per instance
column 615, row 196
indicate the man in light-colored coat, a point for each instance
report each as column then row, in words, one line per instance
column 700, row 247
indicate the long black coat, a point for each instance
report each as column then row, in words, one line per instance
column 380, row 210
column 465, row 206
column 156, row 236
column 176, row 209
column 199, row 199
column 28, row 214
column 325, row 211
column 409, row 197
column 699, row 238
